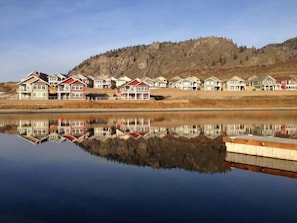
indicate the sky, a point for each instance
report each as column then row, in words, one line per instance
column 53, row 36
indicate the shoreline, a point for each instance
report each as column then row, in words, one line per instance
column 138, row 110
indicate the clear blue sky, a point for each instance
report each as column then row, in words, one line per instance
column 55, row 35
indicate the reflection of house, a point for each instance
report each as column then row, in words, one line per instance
column 158, row 131
column 134, row 127
column 35, row 86
column 103, row 131
column 235, row 84
column 212, row 84
column 34, row 131
column 55, row 137
column 287, row 130
column 72, row 130
column 71, row 88
column 134, row 90
column 189, row 131
column 235, row 129
column 212, row 131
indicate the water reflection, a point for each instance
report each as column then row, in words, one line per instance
column 189, row 141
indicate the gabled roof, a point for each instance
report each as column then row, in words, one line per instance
column 236, row 78
column 135, row 82
column 212, row 78
column 175, row 79
column 71, row 80
column 102, row 77
column 38, row 74
column 284, row 78
column 62, row 76
column 124, row 78
column 79, row 76
column 161, row 78
column 32, row 79
column 261, row 78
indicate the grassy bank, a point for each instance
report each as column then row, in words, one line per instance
column 173, row 98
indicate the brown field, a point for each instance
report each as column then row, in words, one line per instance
column 173, row 98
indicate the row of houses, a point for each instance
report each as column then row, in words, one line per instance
column 38, row 131
column 41, row 86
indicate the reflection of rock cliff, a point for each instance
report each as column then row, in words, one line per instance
column 199, row 154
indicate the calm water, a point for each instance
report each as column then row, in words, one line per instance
column 138, row 168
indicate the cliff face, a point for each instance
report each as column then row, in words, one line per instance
column 201, row 57
column 199, row 154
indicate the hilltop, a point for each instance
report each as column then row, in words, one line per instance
column 200, row 57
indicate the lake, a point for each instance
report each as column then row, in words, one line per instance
column 143, row 167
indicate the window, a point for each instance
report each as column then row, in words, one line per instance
column 77, row 87
column 39, row 87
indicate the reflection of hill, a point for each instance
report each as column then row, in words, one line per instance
column 197, row 154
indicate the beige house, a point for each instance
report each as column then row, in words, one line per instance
column 235, row 84
column 212, row 84
column 35, row 87
column 102, row 81
column 161, row 82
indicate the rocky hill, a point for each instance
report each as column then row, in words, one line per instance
column 200, row 57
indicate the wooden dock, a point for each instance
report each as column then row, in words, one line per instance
column 273, row 147
column 270, row 155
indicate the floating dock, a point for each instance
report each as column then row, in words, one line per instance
column 271, row 155
column 273, row 147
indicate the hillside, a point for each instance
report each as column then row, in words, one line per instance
column 200, row 57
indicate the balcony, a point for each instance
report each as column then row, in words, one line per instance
column 24, row 89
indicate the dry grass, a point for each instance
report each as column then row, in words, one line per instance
column 174, row 98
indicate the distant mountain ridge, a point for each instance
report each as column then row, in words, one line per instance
column 200, row 57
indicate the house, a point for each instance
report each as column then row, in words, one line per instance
column 161, row 82
column 134, row 90
column 53, row 80
column 264, row 83
column 149, row 81
column 122, row 80
column 102, row 81
column 71, row 88
column 212, row 84
column 189, row 83
column 35, row 87
column 286, row 83
column 175, row 82
column 235, row 84
column 87, row 80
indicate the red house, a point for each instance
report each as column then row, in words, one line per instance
column 286, row 83
column 71, row 88
column 134, row 90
